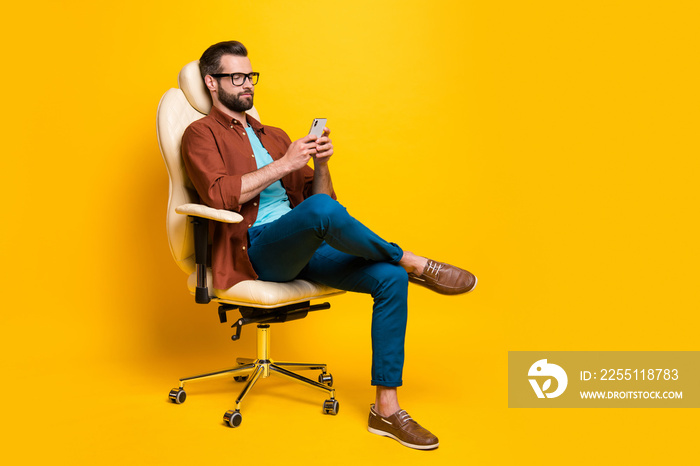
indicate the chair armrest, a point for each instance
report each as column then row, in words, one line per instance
column 201, row 237
column 202, row 211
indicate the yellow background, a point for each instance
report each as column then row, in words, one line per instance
column 551, row 147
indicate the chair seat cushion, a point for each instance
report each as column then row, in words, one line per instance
column 258, row 293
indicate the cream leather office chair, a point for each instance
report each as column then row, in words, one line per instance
column 259, row 302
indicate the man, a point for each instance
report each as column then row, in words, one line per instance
column 294, row 228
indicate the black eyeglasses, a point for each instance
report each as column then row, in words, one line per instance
column 237, row 79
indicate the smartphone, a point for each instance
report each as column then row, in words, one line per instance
column 317, row 127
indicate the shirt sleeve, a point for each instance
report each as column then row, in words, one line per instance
column 207, row 171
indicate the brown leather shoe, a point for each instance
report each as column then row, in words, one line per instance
column 444, row 278
column 401, row 427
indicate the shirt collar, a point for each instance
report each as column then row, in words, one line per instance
column 228, row 122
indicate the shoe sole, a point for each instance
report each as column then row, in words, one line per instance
column 405, row 444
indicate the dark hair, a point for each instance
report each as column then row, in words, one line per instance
column 210, row 63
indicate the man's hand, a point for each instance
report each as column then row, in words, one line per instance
column 324, row 148
column 297, row 157
column 299, row 152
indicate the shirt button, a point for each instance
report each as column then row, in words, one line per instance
column 244, row 134
column 231, row 126
column 253, row 155
column 250, row 225
column 244, row 248
column 255, row 203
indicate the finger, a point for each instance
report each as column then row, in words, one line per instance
column 307, row 139
column 326, row 131
column 308, row 146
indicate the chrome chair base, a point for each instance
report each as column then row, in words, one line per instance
column 251, row 370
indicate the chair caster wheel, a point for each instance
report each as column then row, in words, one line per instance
column 326, row 379
column 331, row 407
column 177, row 395
column 240, row 378
column 233, row 418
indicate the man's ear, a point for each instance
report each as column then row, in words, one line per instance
column 211, row 83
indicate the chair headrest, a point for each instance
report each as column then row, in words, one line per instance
column 192, row 85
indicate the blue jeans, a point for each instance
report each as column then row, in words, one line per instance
column 319, row 241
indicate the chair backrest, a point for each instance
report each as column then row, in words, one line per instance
column 176, row 110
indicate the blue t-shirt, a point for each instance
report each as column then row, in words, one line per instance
column 274, row 202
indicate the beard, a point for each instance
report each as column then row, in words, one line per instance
column 234, row 103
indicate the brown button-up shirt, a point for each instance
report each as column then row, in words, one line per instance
column 217, row 153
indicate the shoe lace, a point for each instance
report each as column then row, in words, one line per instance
column 434, row 268
column 404, row 416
